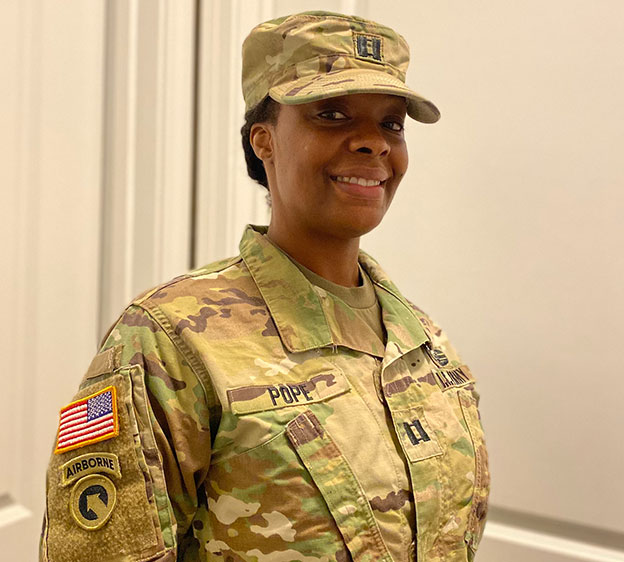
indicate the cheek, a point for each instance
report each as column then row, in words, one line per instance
column 402, row 160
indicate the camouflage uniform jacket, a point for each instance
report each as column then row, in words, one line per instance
column 233, row 397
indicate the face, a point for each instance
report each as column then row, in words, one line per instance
column 334, row 165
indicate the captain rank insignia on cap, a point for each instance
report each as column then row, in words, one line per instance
column 368, row 46
column 89, row 420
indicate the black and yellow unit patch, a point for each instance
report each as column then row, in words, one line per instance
column 92, row 501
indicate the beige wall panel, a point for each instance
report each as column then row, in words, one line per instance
column 51, row 167
column 148, row 148
column 511, row 545
column 508, row 230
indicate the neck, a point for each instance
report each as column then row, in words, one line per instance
column 332, row 258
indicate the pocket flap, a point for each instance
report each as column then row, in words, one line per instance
column 339, row 487
column 261, row 397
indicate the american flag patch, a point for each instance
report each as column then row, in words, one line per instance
column 89, row 420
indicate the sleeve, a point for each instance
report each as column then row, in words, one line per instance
column 132, row 450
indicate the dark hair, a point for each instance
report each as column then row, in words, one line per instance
column 264, row 112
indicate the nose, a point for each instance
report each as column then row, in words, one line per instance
column 368, row 139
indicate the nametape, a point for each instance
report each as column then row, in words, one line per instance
column 258, row 398
column 89, row 464
column 451, row 378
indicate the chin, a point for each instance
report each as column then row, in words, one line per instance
column 358, row 225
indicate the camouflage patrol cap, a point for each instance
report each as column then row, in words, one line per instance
column 316, row 55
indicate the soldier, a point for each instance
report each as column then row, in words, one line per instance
column 288, row 403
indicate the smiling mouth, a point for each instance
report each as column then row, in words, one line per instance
column 358, row 181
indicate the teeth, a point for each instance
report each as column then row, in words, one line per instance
column 359, row 181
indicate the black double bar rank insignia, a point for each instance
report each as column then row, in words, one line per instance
column 368, row 47
column 416, row 432
column 418, row 438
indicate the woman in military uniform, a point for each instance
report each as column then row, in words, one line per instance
column 288, row 403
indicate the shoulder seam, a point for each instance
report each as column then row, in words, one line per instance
column 204, row 270
column 215, row 266
column 138, row 301
column 197, row 367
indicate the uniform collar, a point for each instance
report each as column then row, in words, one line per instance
column 296, row 308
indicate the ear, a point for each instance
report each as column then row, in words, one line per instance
column 261, row 139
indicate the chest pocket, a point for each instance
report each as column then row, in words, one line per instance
column 434, row 409
column 277, row 451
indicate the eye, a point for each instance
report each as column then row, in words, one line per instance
column 396, row 126
column 332, row 115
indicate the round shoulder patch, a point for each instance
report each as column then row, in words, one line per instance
column 92, row 501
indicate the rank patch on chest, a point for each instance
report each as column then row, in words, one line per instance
column 88, row 420
column 418, row 439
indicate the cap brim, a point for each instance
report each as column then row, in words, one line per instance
column 354, row 81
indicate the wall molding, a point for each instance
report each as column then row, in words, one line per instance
column 226, row 197
column 500, row 537
column 148, row 147
column 50, row 221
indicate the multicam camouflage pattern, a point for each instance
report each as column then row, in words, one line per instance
column 317, row 55
column 249, row 428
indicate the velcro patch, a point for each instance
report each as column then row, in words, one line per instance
column 89, row 464
column 258, row 398
column 89, row 420
column 451, row 378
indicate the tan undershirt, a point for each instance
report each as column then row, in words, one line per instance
column 362, row 300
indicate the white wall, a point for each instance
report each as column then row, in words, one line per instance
column 50, row 147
